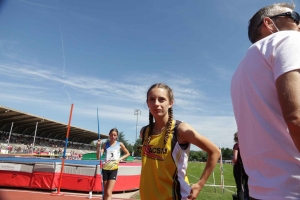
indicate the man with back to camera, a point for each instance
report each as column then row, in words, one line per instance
column 265, row 92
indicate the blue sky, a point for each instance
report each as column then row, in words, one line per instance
column 106, row 54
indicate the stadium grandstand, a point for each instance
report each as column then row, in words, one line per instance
column 23, row 133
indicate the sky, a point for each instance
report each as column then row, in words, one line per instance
column 106, row 54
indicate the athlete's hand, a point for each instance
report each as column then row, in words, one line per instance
column 99, row 142
column 195, row 190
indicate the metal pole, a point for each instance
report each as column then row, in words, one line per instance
column 221, row 169
column 98, row 125
column 34, row 135
column 137, row 118
column 64, row 155
column 214, row 181
column 12, row 124
column 101, row 166
column 136, row 112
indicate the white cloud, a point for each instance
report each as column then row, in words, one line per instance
column 36, row 4
column 42, row 85
column 186, row 96
column 223, row 73
column 9, row 85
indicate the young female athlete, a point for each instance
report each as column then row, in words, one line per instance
column 112, row 159
column 165, row 150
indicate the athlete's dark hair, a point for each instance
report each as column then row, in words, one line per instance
column 112, row 130
column 235, row 137
column 170, row 112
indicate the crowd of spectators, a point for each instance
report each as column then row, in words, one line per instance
column 21, row 144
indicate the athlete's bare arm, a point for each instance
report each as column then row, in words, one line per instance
column 235, row 156
column 288, row 90
column 125, row 151
column 99, row 149
column 187, row 134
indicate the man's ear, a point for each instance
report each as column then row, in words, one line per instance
column 268, row 23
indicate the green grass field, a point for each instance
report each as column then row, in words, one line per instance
column 212, row 192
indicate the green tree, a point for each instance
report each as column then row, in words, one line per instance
column 198, row 156
column 194, row 156
column 226, row 153
column 121, row 138
column 203, row 156
column 136, row 147
column 129, row 147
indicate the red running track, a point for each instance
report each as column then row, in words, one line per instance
column 23, row 194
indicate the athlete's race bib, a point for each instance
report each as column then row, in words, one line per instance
column 112, row 154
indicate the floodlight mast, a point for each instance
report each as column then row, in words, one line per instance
column 137, row 112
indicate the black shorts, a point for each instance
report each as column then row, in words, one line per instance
column 109, row 174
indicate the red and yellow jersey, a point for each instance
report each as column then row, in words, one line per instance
column 164, row 167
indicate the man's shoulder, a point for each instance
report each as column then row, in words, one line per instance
column 290, row 33
column 286, row 35
column 278, row 37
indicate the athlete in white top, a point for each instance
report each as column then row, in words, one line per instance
column 110, row 167
column 265, row 93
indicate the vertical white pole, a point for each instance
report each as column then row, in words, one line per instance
column 34, row 136
column 12, row 124
column 136, row 112
column 221, row 169
column 214, row 180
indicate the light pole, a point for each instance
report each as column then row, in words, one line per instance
column 136, row 112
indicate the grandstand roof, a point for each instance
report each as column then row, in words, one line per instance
column 24, row 123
